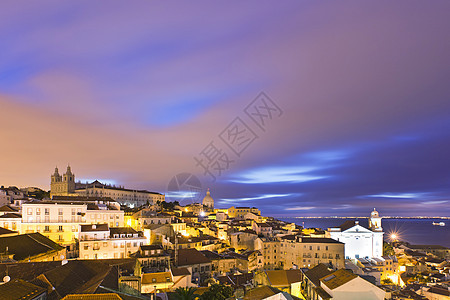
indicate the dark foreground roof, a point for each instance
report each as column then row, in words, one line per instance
column 19, row 289
column 27, row 245
column 191, row 256
column 316, row 273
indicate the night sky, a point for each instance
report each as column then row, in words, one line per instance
column 299, row 108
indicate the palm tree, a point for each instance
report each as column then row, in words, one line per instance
column 185, row 293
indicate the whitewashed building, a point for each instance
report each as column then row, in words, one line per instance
column 98, row 241
column 360, row 242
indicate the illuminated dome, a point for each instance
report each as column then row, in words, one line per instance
column 208, row 200
column 374, row 213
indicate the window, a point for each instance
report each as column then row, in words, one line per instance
column 38, row 211
column 153, row 280
column 46, row 228
column 46, row 211
column 60, row 228
column 29, row 211
column 60, row 211
column 105, row 244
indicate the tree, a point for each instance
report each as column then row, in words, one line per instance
column 217, row 292
column 185, row 293
column 387, row 281
column 387, row 249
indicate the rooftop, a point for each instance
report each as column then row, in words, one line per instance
column 26, row 245
column 109, row 296
column 282, row 278
column 192, row 256
column 316, row 273
column 338, row 278
column 94, row 227
column 160, row 277
column 8, row 208
column 19, row 289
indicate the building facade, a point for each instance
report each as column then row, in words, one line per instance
column 360, row 242
column 65, row 185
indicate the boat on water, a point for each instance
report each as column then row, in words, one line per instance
column 439, row 223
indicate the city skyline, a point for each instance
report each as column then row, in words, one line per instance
column 358, row 111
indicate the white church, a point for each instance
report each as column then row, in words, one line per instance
column 360, row 242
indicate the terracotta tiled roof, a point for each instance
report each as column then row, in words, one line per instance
column 98, row 227
column 338, row 278
column 284, row 278
column 25, row 245
column 7, row 208
column 320, row 240
column 316, row 273
column 28, row 270
column 188, row 257
column 160, row 277
column 11, row 215
column 263, row 292
column 346, row 225
column 109, row 296
column 19, row 289
column 180, row 271
column 6, row 231
column 75, row 277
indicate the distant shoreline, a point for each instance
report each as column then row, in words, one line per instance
column 384, row 217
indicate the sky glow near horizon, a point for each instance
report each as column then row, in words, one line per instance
column 132, row 93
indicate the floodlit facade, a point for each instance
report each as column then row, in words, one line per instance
column 60, row 220
column 360, row 242
column 98, row 241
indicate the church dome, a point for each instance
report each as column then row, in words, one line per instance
column 208, row 200
column 374, row 213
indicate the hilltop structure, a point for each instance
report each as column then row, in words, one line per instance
column 208, row 201
column 65, row 185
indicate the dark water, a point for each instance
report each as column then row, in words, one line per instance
column 414, row 231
